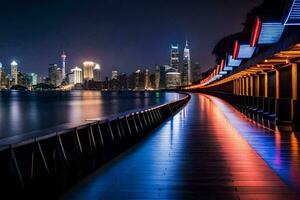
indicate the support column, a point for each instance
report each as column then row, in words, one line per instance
column 233, row 82
column 294, row 81
column 240, row 86
column 243, row 86
column 277, row 84
column 237, row 89
column 257, row 85
column 251, row 85
column 294, row 86
column 241, row 92
column 247, row 85
column 237, row 86
column 266, row 85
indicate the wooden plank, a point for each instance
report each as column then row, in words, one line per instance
column 200, row 153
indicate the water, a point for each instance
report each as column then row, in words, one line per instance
column 23, row 112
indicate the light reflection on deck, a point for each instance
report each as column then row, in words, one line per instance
column 207, row 151
column 279, row 149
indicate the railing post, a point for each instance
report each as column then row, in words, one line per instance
column 78, row 140
column 15, row 162
column 170, row 110
column 43, row 157
column 128, row 126
column 100, row 135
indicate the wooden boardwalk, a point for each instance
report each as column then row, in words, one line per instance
column 201, row 153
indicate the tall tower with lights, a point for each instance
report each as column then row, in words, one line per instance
column 88, row 68
column 186, row 71
column 174, row 60
column 63, row 67
column 1, row 71
column 14, row 72
column 97, row 72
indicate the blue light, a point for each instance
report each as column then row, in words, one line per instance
column 223, row 72
column 293, row 17
column 245, row 51
column 232, row 62
column 270, row 33
column 228, row 68
column 174, row 46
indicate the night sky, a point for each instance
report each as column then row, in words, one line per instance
column 119, row 34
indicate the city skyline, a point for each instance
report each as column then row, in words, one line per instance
column 88, row 75
column 63, row 63
column 107, row 41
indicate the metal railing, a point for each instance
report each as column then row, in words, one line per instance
column 50, row 163
column 271, row 112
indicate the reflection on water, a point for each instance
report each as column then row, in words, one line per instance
column 22, row 112
column 279, row 149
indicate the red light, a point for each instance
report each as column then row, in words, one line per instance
column 256, row 32
column 236, row 50
column 222, row 65
column 218, row 69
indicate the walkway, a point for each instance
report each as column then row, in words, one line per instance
column 202, row 152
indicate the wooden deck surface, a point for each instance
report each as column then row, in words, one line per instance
column 203, row 152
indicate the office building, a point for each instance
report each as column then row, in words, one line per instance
column 14, row 72
column 63, row 67
column 76, row 76
column 186, row 70
column 33, row 78
column 88, row 70
column 114, row 74
column 174, row 59
column 3, row 77
column 147, row 79
column 59, row 77
column 173, row 80
column 41, row 79
column 70, row 77
column 156, row 78
column 52, row 74
column 197, row 72
column 123, row 81
column 139, row 80
column 97, row 73
column 1, row 72
column 162, row 73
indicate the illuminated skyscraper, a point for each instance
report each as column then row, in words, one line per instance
column 137, row 80
column 14, row 72
column 77, row 75
column 33, row 78
column 1, row 71
column 97, row 72
column 174, row 60
column 88, row 68
column 63, row 67
column 114, row 74
column 147, row 79
column 186, row 71
column 162, row 73
column 52, row 74
column 196, row 72
column 59, row 77
column 173, row 80
column 157, row 77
